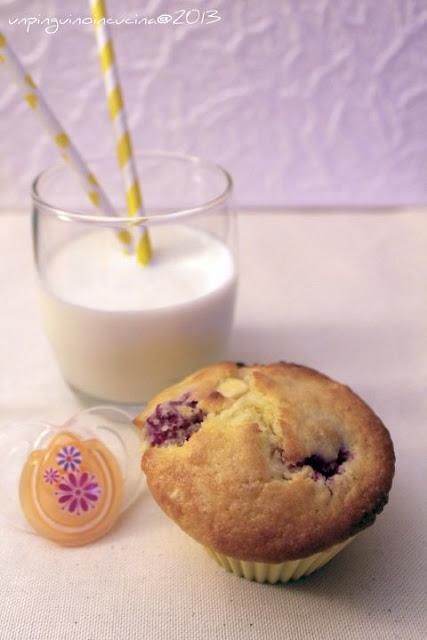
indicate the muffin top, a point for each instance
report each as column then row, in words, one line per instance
column 268, row 462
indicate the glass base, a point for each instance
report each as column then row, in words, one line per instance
column 88, row 400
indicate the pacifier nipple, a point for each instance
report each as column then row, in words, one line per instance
column 72, row 481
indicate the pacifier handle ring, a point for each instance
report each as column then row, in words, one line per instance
column 106, row 407
column 119, row 440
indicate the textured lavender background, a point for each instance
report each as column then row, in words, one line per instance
column 305, row 101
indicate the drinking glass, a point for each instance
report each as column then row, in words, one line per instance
column 121, row 331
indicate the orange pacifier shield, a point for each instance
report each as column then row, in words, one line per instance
column 71, row 491
column 70, row 483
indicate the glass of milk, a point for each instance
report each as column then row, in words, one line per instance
column 119, row 331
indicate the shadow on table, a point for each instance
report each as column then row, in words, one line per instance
column 377, row 572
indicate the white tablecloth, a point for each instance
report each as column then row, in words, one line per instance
column 342, row 292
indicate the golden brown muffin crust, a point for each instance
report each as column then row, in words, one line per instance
column 286, row 462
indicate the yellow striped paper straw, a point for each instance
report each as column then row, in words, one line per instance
column 69, row 152
column 117, row 112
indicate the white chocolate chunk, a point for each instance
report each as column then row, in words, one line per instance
column 232, row 388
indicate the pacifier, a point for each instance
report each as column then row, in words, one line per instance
column 70, row 483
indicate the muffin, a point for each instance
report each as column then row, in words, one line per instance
column 273, row 468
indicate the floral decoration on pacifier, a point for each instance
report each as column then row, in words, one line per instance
column 70, row 483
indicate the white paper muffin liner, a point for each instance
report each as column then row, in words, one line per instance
column 283, row 572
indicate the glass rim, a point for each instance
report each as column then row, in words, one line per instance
column 95, row 218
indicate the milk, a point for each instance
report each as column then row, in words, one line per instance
column 122, row 332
